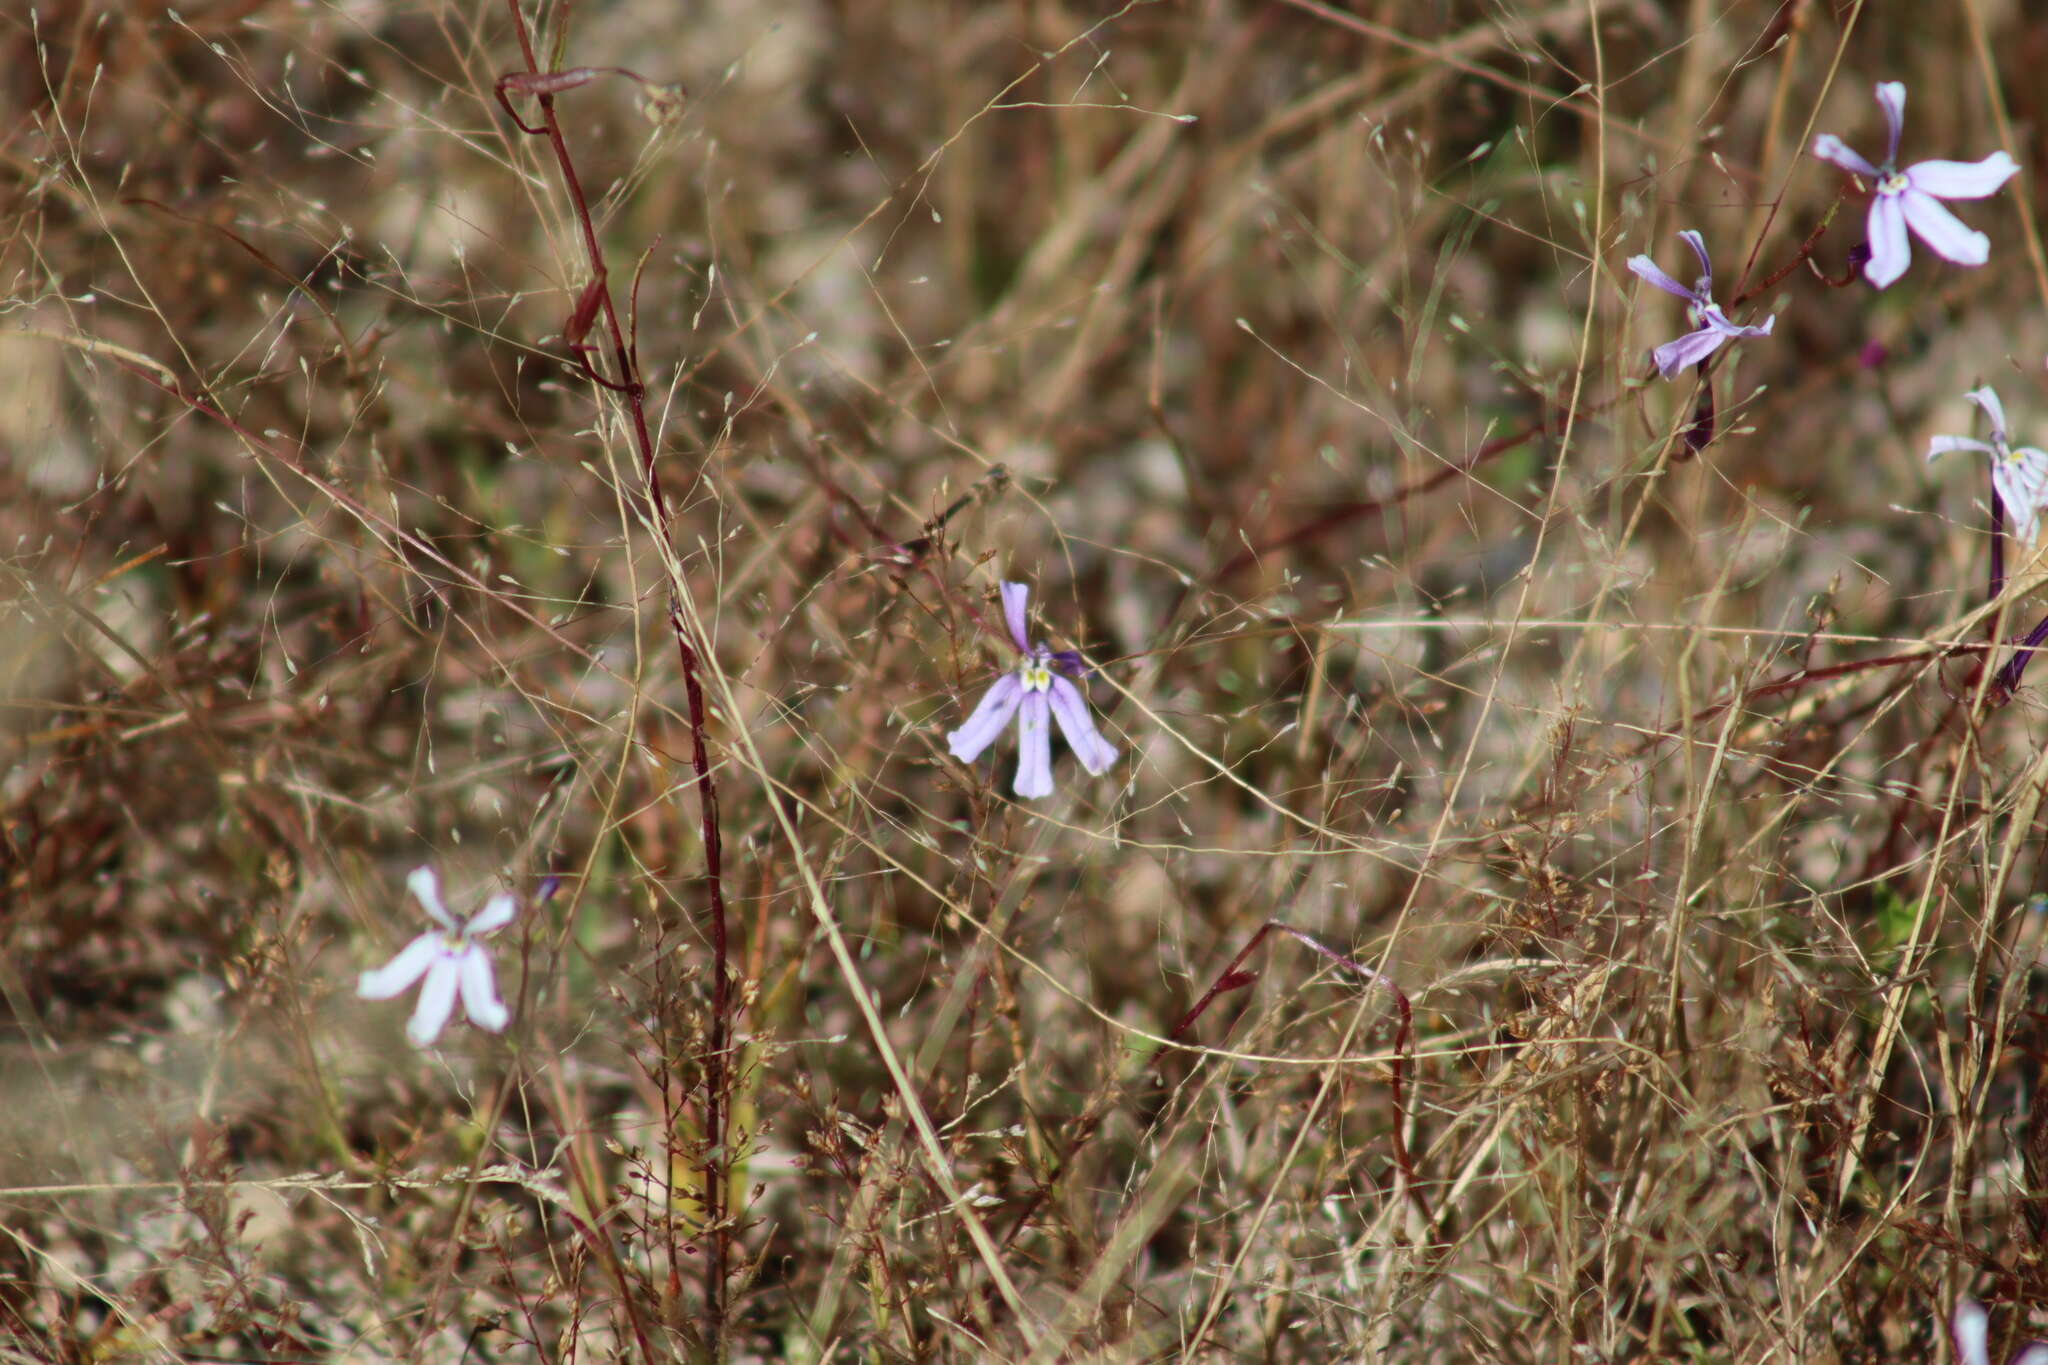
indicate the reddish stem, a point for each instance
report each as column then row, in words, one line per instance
column 625, row 381
column 1234, row 978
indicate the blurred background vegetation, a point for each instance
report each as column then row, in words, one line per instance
column 1303, row 337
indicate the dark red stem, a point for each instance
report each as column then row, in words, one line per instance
column 1233, row 977
column 626, row 382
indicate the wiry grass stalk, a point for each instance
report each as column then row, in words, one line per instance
column 628, row 385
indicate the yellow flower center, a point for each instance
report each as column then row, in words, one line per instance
column 1037, row 677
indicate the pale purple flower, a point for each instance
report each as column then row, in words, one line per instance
column 1911, row 198
column 2020, row 475
column 1713, row 325
column 1036, row 692
column 451, row 961
column 1971, row 1327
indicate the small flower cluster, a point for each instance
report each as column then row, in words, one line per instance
column 1902, row 200
column 1905, row 203
column 449, row 962
column 1044, row 689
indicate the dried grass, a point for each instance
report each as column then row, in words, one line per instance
column 1302, row 338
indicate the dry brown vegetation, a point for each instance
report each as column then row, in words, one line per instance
column 1287, row 351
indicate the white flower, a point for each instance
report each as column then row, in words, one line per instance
column 1972, row 1328
column 2020, row 475
column 1910, row 198
column 451, row 961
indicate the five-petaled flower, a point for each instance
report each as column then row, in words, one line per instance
column 1713, row 325
column 2020, row 475
column 1910, row 198
column 451, row 960
column 1036, row 692
column 1971, row 1326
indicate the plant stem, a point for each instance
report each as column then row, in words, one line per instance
column 626, row 381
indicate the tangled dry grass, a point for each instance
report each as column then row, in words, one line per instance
column 1651, row 848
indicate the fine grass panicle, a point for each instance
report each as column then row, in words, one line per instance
column 1060, row 683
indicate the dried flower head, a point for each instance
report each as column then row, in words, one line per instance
column 1910, row 198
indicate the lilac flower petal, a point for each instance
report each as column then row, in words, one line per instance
column 1712, row 316
column 1015, row 596
column 496, row 914
column 1690, row 349
column 1830, row 148
column 1987, row 399
column 1946, row 235
column 2022, row 483
column 437, row 1001
column 480, row 992
column 425, row 885
column 2035, row 1354
column 1034, row 748
column 1963, row 179
column 1890, row 253
column 1970, row 1326
column 1647, row 271
column 1070, row 709
column 1699, row 249
column 1943, row 445
column 400, row 972
column 989, row 720
column 2026, row 517
column 1891, row 97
